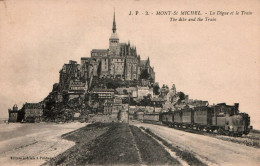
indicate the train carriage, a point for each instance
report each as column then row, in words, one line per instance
column 187, row 117
column 167, row 118
column 151, row 117
column 177, row 118
column 203, row 118
column 219, row 118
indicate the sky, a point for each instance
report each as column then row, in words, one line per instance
column 216, row 61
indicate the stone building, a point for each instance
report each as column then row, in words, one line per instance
column 144, row 91
column 139, row 115
column 123, row 114
column 73, row 81
column 117, row 106
column 146, row 71
column 15, row 115
column 164, row 91
column 157, row 102
column 32, row 112
column 108, row 107
column 77, row 88
column 68, row 72
column 102, row 94
column 132, row 91
column 120, row 60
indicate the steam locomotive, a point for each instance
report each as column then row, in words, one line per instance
column 220, row 118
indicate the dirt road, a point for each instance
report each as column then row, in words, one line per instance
column 211, row 150
column 33, row 144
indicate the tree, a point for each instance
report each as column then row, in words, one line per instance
column 156, row 89
column 125, row 92
column 181, row 95
column 146, row 101
column 99, row 69
column 132, row 101
column 144, row 74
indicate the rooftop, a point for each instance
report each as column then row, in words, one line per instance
column 114, row 36
column 103, row 90
column 33, row 105
column 157, row 99
column 100, row 50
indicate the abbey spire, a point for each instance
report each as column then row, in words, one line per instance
column 114, row 47
column 114, row 23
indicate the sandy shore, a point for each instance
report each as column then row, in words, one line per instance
column 33, row 144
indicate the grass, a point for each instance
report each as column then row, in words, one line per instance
column 112, row 144
column 185, row 155
column 82, row 133
column 249, row 140
column 99, row 144
column 152, row 153
column 113, row 147
column 83, row 137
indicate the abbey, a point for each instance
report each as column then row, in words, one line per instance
column 118, row 63
column 120, row 60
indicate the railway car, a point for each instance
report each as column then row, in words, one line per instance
column 167, row 118
column 187, row 117
column 202, row 118
column 152, row 118
column 177, row 118
column 221, row 118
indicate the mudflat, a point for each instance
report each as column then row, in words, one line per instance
column 35, row 143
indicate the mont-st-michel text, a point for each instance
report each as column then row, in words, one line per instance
column 191, row 15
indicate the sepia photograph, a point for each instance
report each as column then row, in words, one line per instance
column 129, row 82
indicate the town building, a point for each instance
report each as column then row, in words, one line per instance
column 157, row 102
column 108, row 107
column 144, row 91
column 77, row 88
column 131, row 112
column 132, row 91
column 15, row 115
column 102, row 94
column 164, row 91
column 123, row 114
column 117, row 106
column 139, row 115
column 32, row 112
column 70, row 71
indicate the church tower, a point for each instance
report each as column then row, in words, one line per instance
column 114, row 47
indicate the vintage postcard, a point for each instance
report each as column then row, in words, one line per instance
column 130, row 82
